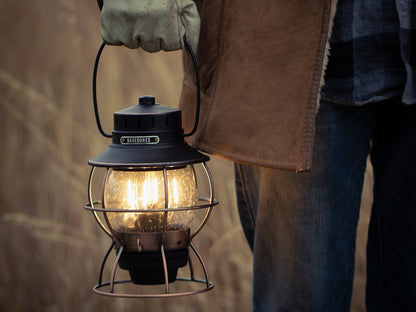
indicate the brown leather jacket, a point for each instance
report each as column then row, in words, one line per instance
column 261, row 65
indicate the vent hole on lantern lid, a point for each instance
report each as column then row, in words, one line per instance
column 138, row 122
column 166, row 121
column 125, row 123
column 153, row 122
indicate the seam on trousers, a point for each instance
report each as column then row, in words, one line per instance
column 347, row 302
column 379, row 232
column 380, row 243
column 247, row 206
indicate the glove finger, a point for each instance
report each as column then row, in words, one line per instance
column 131, row 42
column 115, row 30
column 106, row 34
column 170, row 45
column 191, row 24
column 150, row 45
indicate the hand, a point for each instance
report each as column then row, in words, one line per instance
column 153, row 25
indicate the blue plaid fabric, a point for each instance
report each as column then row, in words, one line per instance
column 372, row 52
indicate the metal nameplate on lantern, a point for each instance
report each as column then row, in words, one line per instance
column 139, row 140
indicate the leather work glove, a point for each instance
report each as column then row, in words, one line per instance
column 153, row 25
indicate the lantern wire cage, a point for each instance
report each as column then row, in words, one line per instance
column 108, row 288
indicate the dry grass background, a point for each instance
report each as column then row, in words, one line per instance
column 50, row 248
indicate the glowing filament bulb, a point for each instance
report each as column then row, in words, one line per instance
column 131, row 202
column 175, row 194
column 145, row 190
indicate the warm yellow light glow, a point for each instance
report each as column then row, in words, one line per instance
column 144, row 189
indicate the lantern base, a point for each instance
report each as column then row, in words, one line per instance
column 146, row 268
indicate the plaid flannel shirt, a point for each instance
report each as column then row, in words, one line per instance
column 372, row 52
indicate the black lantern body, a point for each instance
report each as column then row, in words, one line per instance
column 158, row 128
column 149, row 197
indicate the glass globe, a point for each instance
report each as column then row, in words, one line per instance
column 129, row 189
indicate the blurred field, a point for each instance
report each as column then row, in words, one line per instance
column 51, row 248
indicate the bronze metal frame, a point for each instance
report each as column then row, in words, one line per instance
column 151, row 241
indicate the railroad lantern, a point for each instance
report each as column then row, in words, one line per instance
column 149, row 196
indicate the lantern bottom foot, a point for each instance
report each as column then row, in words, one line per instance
column 108, row 288
column 146, row 268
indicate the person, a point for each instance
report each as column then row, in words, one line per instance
column 299, row 122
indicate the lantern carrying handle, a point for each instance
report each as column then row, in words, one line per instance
column 197, row 82
column 94, row 91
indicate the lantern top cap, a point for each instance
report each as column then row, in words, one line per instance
column 147, row 106
column 148, row 135
column 147, row 100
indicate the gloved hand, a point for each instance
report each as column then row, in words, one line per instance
column 153, row 25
